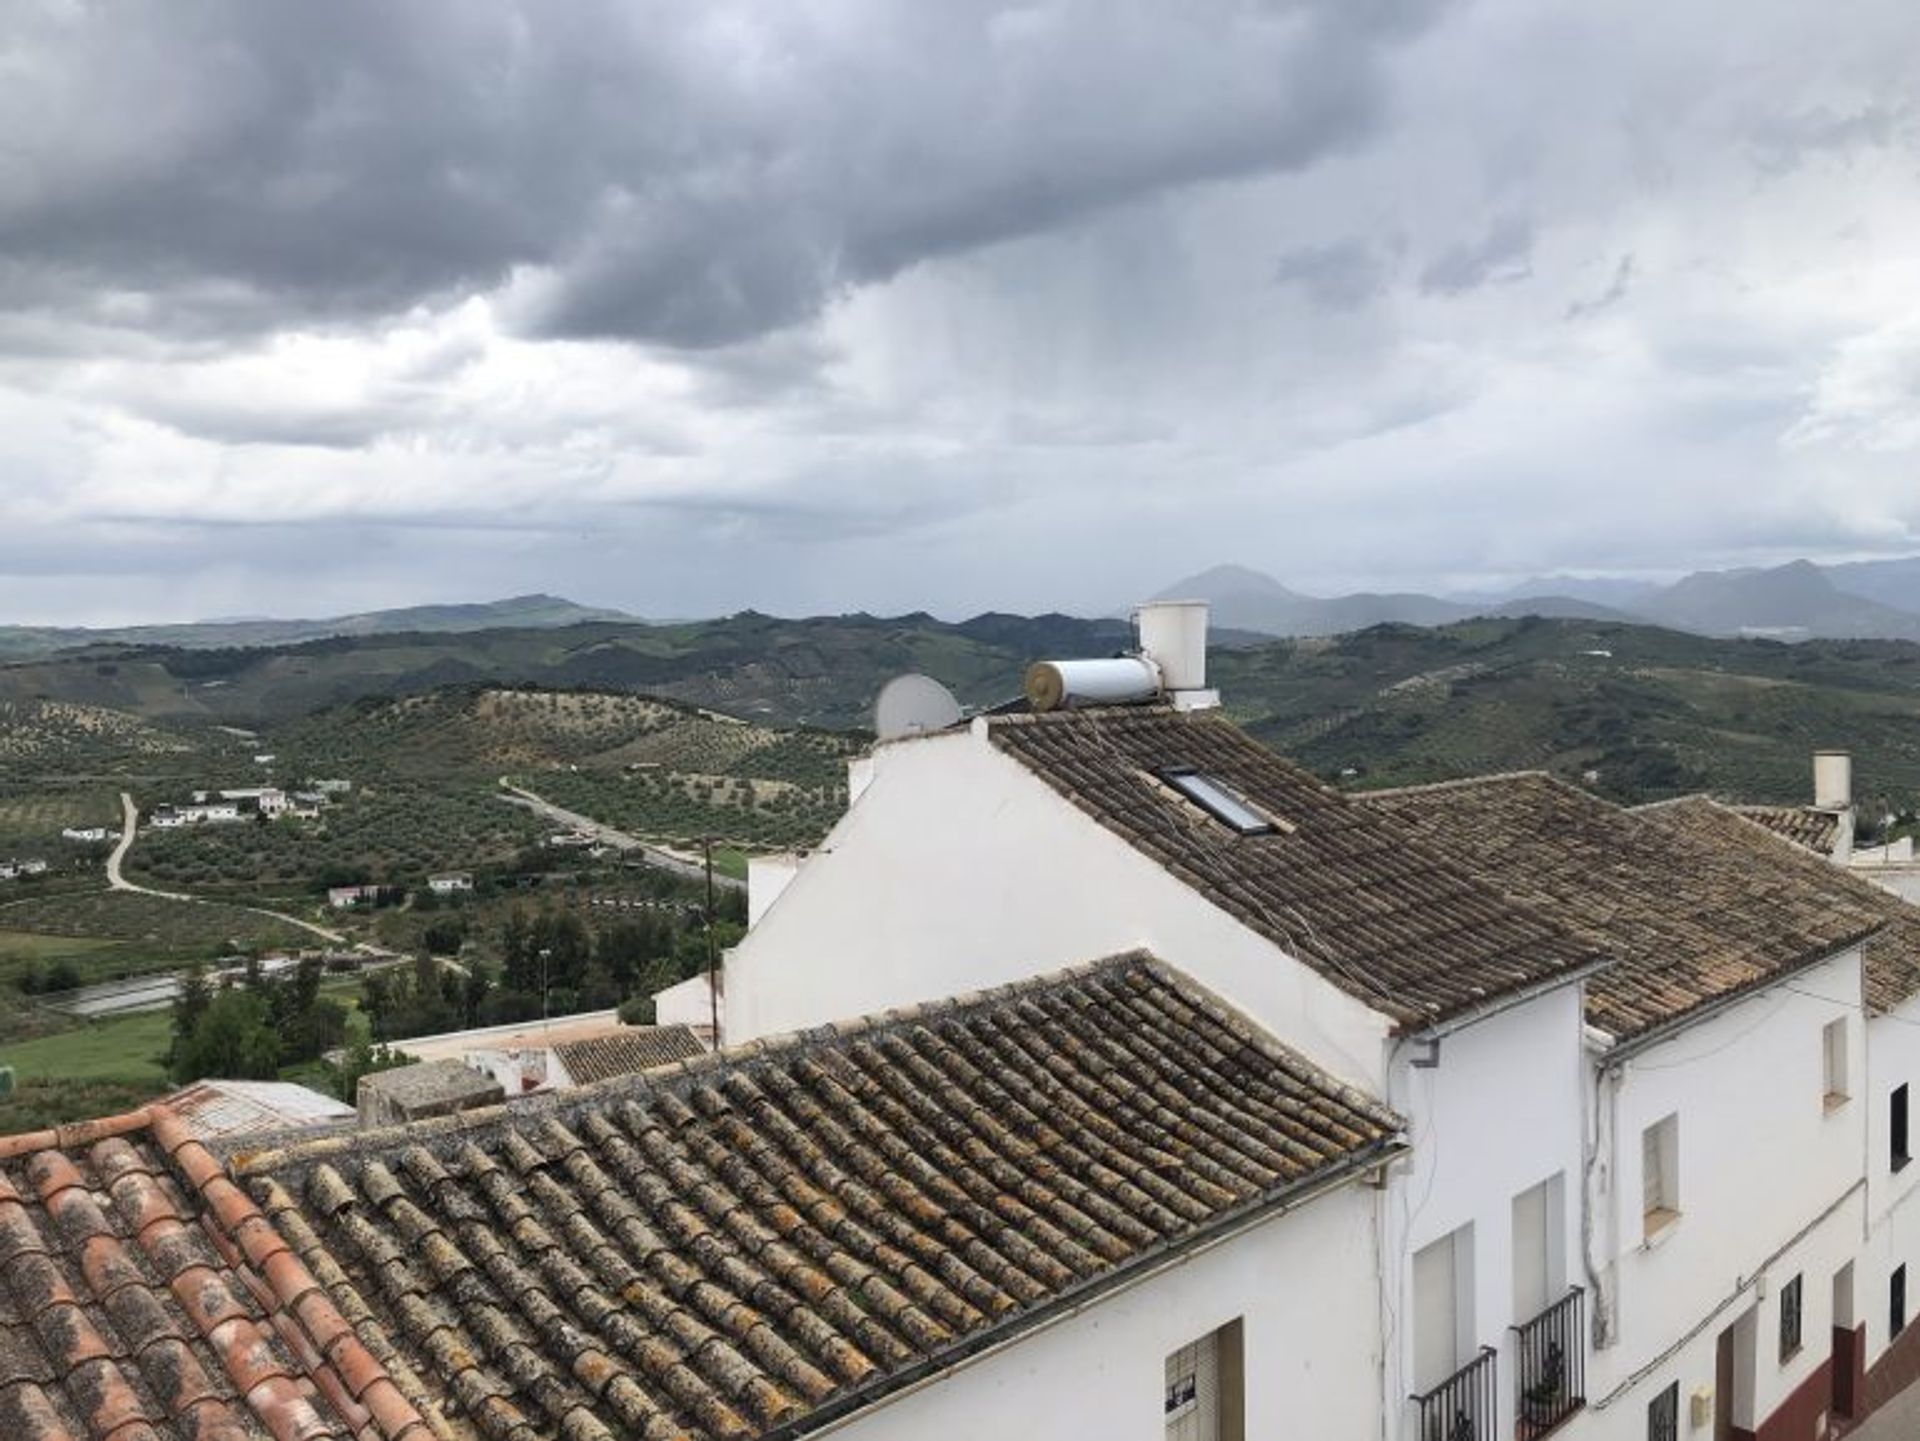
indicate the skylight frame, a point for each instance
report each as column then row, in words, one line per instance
column 1218, row 799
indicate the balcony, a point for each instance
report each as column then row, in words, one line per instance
column 1550, row 1367
column 1464, row 1407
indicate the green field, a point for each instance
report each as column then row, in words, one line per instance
column 127, row 1049
column 149, row 923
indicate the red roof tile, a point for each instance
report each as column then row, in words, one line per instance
column 132, row 1309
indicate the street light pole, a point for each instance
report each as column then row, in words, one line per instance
column 545, row 952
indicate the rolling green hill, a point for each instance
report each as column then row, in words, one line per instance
column 1648, row 712
column 821, row 671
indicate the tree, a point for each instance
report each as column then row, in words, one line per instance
column 232, row 1040
column 362, row 1058
column 520, row 967
column 189, row 1005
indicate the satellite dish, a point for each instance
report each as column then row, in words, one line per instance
column 913, row 705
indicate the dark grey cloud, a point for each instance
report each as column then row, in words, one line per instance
column 1501, row 256
column 693, row 175
column 840, row 304
column 1343, row 275
column 1616, row 291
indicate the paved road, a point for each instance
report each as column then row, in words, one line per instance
column 130, row 824
column 686, row 867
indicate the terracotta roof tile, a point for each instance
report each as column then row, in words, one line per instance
column 1690, row 918
column 122, row 1314
column 627, row 1052
column 1892, row 956
column 740, row 1242
column 1398, row 924
column 1817, row 830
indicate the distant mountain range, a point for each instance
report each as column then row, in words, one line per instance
column 521, row 612
column 1869, row 600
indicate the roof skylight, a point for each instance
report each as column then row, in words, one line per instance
column 1217, row 800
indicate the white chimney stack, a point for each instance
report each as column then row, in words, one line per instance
column 1173, row 635
column 1832, row 781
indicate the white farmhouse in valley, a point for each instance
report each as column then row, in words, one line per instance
column 451, row 884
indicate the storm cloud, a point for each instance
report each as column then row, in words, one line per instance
column 825, row 305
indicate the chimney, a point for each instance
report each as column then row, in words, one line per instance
column 1173, row 635
column 1833, row 791
column 1832, row 781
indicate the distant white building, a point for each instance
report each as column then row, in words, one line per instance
column 453, row 883
column 85, row 834
column 343, row 898
column 14, row 870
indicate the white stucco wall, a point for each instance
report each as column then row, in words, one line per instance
column 1302, row 1285
column 958, row 869
column 1770, row 1188
column 1893, row 1059
column 1499, row 1114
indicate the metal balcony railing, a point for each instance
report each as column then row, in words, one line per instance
column 1550, row 1373
column 1465, row 1406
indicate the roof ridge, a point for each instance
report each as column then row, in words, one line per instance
column 759, row 1051
column 1459, row 783
column 69, row 1135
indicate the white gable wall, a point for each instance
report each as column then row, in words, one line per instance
column 1495, row 1117
column 959, row 869
column 1769, row 1188
column 1893, row 1059
column 1302, row 1284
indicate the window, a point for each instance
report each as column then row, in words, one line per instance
column 1663, row 1415
column 1790, row 1319
column 1660, row 1175
column 1443, row 1323
column 1897, row 1129
column 1217, row 800
column 1539, row 1263
column 1833, row 1048
column 1206, row 1398
column 1896, row 1302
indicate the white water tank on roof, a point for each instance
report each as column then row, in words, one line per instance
column 1052, row 684
column 1173, row 634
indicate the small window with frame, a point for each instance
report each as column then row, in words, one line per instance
column 1660, row 1176
column 1790, row 1319
column 1663, row 1414
column 1833, row 1050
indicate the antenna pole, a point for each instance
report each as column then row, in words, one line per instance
column 713, row 994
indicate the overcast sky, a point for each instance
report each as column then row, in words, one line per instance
column 831, row 306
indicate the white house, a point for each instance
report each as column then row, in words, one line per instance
column 1724, row 1201
column 975, row 856
column 1631, row 1059
column 1876, row 1352
column 450, row 884
column 85, row 834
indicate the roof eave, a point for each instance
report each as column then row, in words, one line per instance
column 1150, row 1262
column 1626, row 1047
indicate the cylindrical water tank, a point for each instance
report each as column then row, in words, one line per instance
column 1055, row 683
column 1173, row 633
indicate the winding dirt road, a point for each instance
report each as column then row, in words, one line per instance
column 116, row 879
